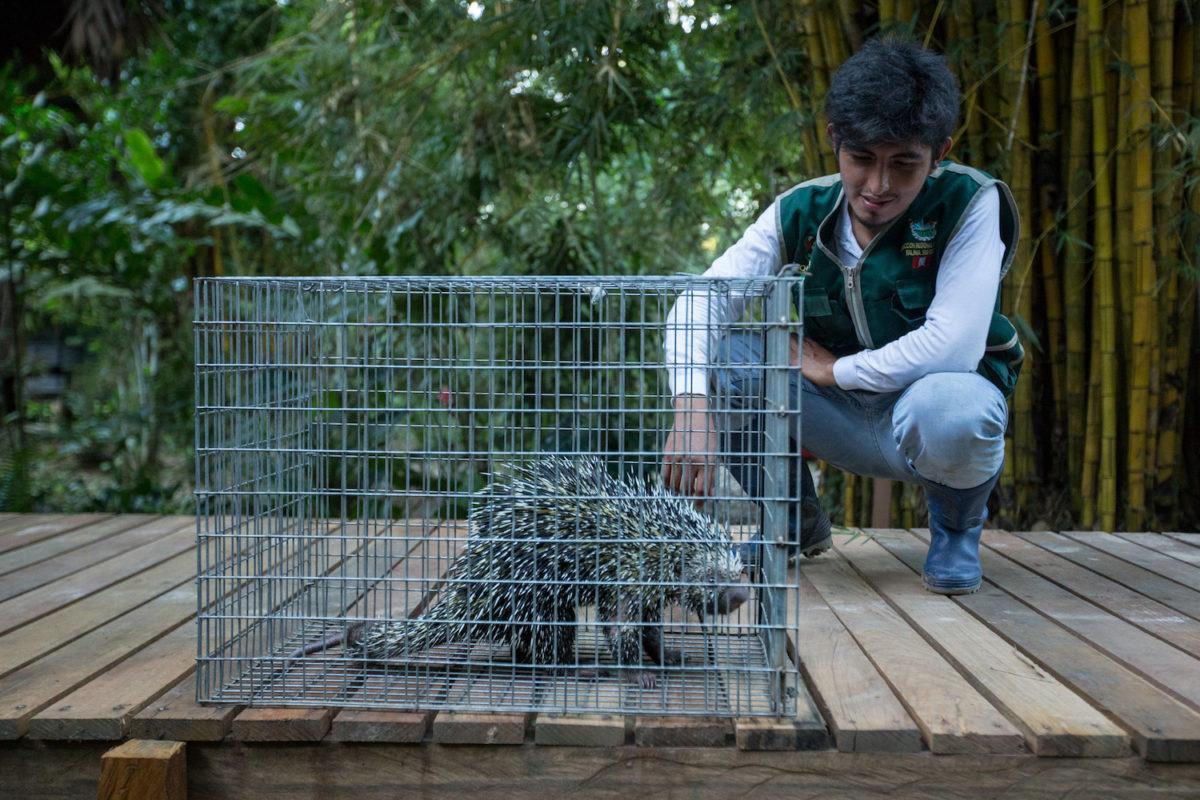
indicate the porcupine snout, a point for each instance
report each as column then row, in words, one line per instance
column 731, row 598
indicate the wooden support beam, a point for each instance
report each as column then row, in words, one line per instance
column 282, row 724
column 579, row 730
column 452, row 727
column 141, row 769
column 682, row 731
column 366, row 725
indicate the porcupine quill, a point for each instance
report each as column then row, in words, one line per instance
column 554, row 535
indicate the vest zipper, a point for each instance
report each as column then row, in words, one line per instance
column 858, row 312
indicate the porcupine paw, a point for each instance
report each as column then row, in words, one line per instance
column 644, row 679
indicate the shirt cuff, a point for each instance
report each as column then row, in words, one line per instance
column 845, row 372
column 689, row 381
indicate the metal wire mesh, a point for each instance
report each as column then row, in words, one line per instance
column 356, row 447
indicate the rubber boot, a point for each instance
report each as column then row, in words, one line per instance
column 815, row 530
column 956, row 518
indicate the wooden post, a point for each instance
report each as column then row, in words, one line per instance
column 141, row 769
column 881, row 504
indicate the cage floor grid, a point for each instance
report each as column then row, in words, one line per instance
column 721, row 674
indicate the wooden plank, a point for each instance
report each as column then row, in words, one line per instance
column 1154, row 586
column 1149, row 615
column 1187, row 538
column 32, row 688
column 771, row 733
column 21, row 646
column 176, row 715
column 114, row 546
column 861, row 709
column 682, row 731
column 951, row 714
column 605, row 727
column 39, row 602
column 1162, row 729
column 1055, row 721
column 1172, row 670
column 579, row 730
column 36, row 527
column 1158, row 563
column 282, row 724
column 103, row 707
column 144, row 770
column 1168, row 545
column 451, row 727
column 67, row 542
column 364, row 725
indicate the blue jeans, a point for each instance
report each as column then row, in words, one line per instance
column 946, row 428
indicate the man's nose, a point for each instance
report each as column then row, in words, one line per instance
column 879, row 181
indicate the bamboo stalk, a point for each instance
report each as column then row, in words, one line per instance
column 849, row 500
column 831, row 36
column 847, row 10
column 1143, row 325
column 1123, row 198
column 1162, row 17
column 866, row 500
column 819, row 163
column 1106, row 500
column 1089, row 477
column 961, row 25
column 1049, row 182
column 1175, row 324
column 1075, row 262
column 1019, row 284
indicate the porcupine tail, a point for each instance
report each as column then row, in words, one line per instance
column 386, row 640
column 346, row 638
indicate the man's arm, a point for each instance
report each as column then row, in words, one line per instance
column 954, row 334
column 693, row 325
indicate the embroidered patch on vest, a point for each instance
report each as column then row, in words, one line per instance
column 921, row 245
column 923, row 231
column 920, row 262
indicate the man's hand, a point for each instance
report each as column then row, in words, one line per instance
column 690, row 454
column 817, row 363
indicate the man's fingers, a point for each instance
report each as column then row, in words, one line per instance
column 672, row 473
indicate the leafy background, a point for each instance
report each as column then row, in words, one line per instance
column 144, row 144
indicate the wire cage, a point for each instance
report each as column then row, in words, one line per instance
column 445, row 493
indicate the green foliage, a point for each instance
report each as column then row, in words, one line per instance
column 369, row 137
column 358, row 138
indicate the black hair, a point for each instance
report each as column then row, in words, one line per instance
column 892, row 91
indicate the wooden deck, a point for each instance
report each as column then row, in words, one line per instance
column 1075, row 669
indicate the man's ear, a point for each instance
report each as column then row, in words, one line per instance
column 832, row 135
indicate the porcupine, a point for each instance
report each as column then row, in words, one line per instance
column 555, row 535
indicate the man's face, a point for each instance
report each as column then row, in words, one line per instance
column 881, row 181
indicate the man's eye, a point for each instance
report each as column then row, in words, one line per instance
column 860, row 159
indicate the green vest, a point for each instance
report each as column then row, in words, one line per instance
column 888, row 293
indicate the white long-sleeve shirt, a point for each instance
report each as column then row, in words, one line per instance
column 952, row 338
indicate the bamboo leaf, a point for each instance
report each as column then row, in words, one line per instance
column 143, row 158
